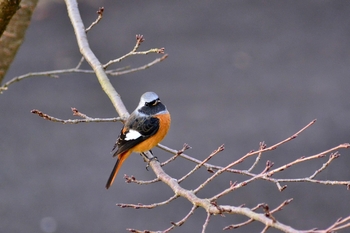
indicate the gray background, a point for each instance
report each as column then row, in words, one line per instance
column 238, row 72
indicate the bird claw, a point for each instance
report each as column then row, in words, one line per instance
column 150, row 160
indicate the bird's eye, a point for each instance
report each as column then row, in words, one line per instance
column 152, row 103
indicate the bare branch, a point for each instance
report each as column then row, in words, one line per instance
column 215, row 152
column 139, row 68
column 262, row 146
column 13, row 36
column 235, row 226
column 79, row 29
column 132, row 179
column 182, row 221
column 8, row 9
column 212, row 207
column 280, row 207
column 37, row 74
column 141, row 206
column 325, row 165
column 139, row 40
column 99, row 17
column 205, row 225
column 340, row 224
column 74, row 121
column 208, row 204
column 56, row 73
column 265, row 229
column 303, row 159
column 185, row 147
column 273, row 147
column 276, row 181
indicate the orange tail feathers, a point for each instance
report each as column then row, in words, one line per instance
column 121, row 158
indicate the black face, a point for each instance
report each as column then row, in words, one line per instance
column 152, row 103
column 152, row 107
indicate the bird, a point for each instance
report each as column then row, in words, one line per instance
column 146, row 126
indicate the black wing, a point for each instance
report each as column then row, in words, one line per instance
column 147, row 127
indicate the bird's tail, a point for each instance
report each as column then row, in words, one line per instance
column 121, row 158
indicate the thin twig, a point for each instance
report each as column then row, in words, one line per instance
column 179, row 152
column 280, row 207
column 139, row 68
column 205, row 225
column 247, row 155
column 303, row 159
column 52, row 74
column 215, row 152
column 261, row 205
column 139, row 40
column 276, row 181
column 99, row 17
column 56, row 73
column 216, row 174
column 340, row 224
column 151, row 206
column 262, row 146
column 74, row 121
column 265, row 229
column 235, row 226
column 82, row 59
column 258, row 206
column 182, row 221
column 232, row 187
column 132, row 179
column 325, row 165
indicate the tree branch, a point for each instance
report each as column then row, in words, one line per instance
column 79, row 29
column 208, row 204
column 13, row 36
column 85, row 119
column 7, row 10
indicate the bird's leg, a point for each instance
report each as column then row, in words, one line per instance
column 147, row 159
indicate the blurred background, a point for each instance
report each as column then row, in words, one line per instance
column 238, row 73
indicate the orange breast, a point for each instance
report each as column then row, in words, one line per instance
column 164, row 125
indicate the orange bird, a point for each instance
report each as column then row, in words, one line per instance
column 143, row 130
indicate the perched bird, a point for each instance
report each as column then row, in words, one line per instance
column 143, row 130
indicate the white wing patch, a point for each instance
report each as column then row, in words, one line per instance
column 132, row 135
